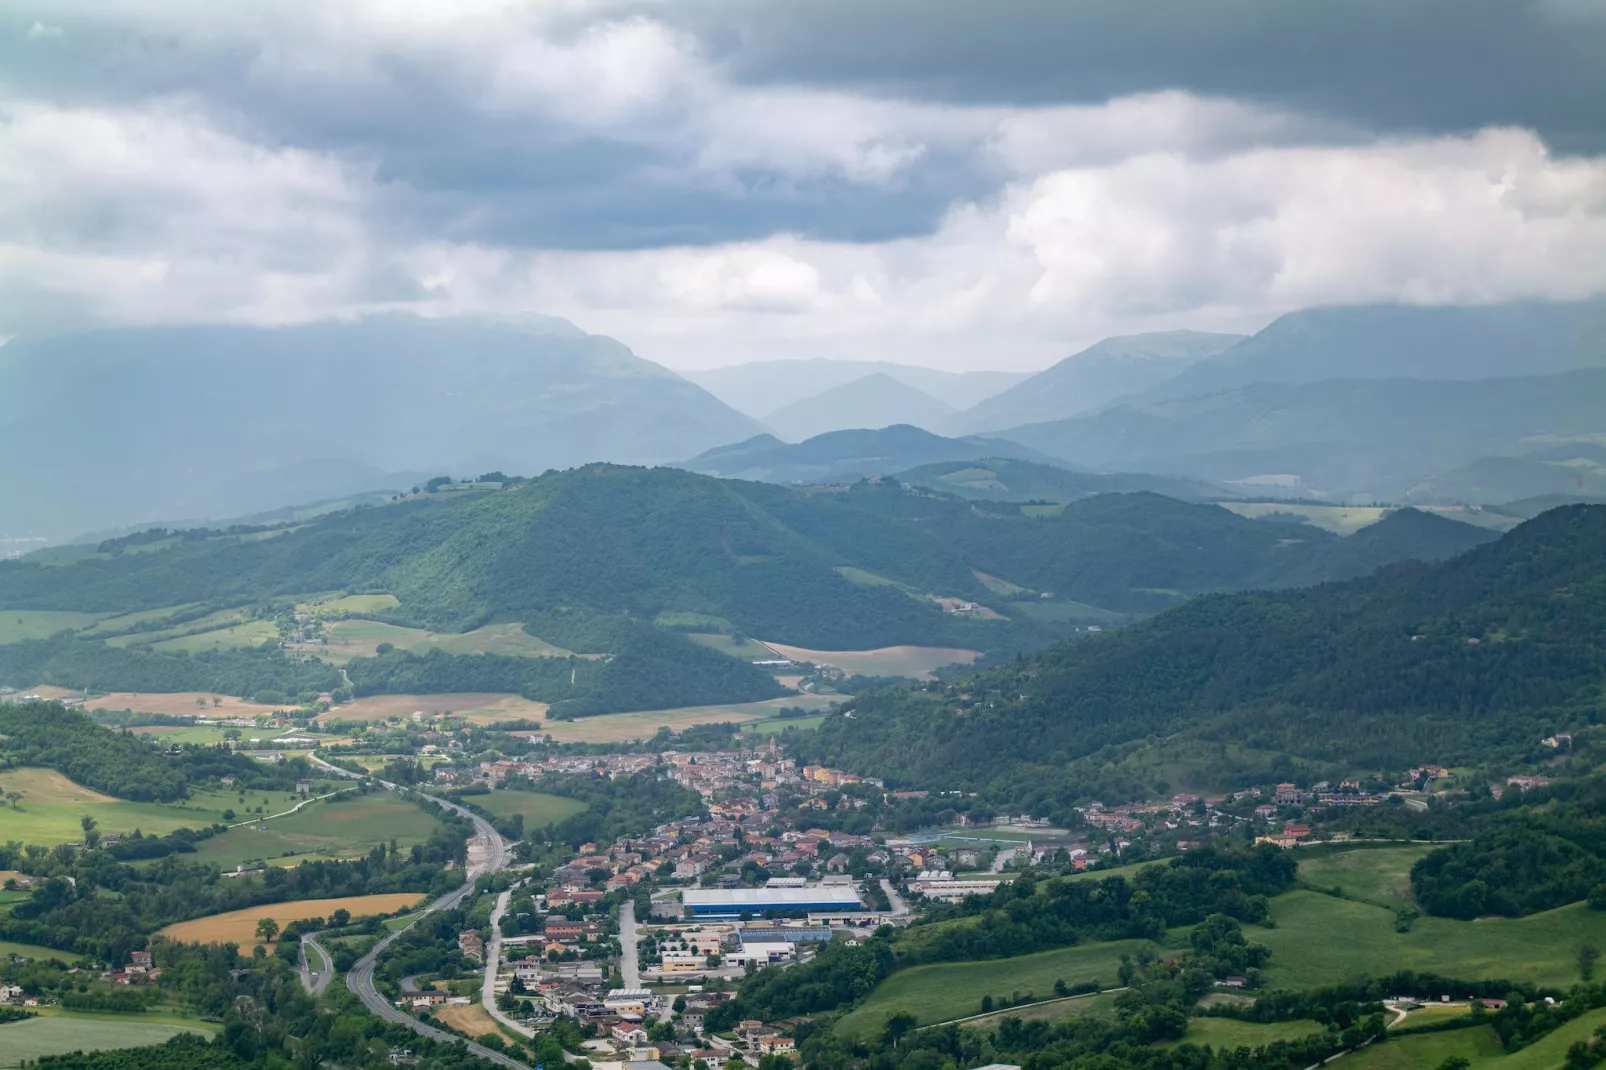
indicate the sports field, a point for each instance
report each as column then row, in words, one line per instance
column 240, row 926
column 51, row 805
column 914, row 661
column 622, row 727
column 347, row 827
column 477, row 707
column 538, row 809
column 61, row 1033
column 949, row 990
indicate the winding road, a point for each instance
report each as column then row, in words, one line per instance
column 486, row 854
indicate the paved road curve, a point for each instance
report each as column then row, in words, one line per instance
column 486, row 854
column 315, row 981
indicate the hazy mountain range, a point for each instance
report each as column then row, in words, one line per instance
column 114, row 428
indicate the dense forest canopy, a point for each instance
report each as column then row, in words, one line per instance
column 1473, row 657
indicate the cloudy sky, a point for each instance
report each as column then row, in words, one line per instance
column 959, row 184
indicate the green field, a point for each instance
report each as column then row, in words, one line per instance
column 124, row 621
column 1230, row 1033
column 32, row 951
column 51, row 806
column 743, row 648
column 340, row 828
column 1320, row 940
column 1339, row 519
column 1480, row 1045
column 538, row 809
column 57, row 1034
column 19, row 624
column 1379, row 875
column 781, row 724
column 351, row 603
column 220, row 621
column 949, row 990
column 1057, row 1010
column 347, row 639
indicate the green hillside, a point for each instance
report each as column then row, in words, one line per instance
column 615, row 561
column 1477, row 656
column 1005, row 479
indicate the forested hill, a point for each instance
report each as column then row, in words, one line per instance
column 615, row 561
column 1474, row 657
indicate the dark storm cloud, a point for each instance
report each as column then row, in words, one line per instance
column 1408, row 66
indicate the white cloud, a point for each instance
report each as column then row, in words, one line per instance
column 39, row 31
column 1152, row 211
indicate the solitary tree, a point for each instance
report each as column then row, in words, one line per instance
column 1588, row 955
column 91, row 833
column 14, row 797
column 898, row 1025
column 267, row 930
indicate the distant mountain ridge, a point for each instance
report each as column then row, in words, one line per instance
column 181, row 421
column 876, row 401
column 1373, row 438
column 1093, row 378
column 761, row 387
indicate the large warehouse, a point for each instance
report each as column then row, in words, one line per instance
column 734, row 902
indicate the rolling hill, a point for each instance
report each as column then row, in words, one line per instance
column 876, row 401
column 625, row 561
column 219, row 421
column 1092, row 379
column 1453, row 663
column 848, row 455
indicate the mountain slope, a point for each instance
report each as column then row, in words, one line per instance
column 186, row 421
column 1452, row 663
column 1377, row 438
column 1407, row 342
column 607, row 560
column 873, row 402
column 1093, row 378
column 848, row 455
column 761, row 387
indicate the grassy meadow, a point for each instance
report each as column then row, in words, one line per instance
column 19, row 624
column 538, row 809
column 34, row 951
column 60, row 1033
column 1380, row 875
column 347, row 639
column 913, row 661
column 181, row 704
column 1320, row 940
column 948, row 990
column 1057, row 1010
column 347, row 827
column 51, row 805
column 1231, row 1033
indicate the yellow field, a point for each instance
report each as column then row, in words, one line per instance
column 915, row 661
column 471, row 1019
column 1339, row 519
column 180, row 704
column 240, row 926
column 642, row 724
column 477, row 707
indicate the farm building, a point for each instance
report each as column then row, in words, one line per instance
column 734, row 902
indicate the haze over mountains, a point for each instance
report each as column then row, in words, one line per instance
column 217, row 421
column 1402, row 404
